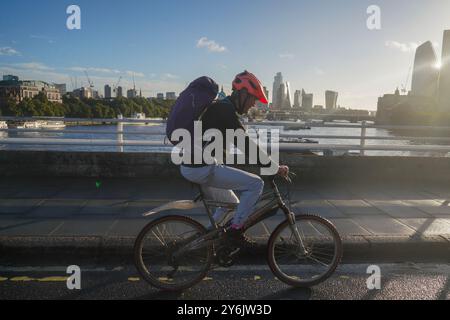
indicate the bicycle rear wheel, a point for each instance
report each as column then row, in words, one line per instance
column 164, row 258
column 308, row 259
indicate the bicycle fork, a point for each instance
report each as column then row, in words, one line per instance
column 294, row 229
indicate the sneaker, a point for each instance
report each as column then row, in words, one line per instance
column 238, row 239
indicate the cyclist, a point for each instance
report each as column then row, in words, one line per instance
column 218, row 181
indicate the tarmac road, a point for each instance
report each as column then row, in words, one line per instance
column 241, row 282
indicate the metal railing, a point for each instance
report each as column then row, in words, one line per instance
column 120, row 142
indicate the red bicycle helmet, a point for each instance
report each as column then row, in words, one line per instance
column 254, row 87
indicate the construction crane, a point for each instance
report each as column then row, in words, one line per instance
column 72, row 83
column 404, row 90
column 91, row 84
column 117, row 84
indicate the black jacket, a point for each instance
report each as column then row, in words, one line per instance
column 222, row 115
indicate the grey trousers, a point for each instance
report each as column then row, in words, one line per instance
column 218, row 183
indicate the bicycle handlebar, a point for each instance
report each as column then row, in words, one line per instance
column 271, row 178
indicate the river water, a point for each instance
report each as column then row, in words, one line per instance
column 156, row 133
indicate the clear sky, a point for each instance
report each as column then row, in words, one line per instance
column 317, row 44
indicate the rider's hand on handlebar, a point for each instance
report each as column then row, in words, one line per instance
column 283, row 171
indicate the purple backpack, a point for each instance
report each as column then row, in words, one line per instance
column 190, row 105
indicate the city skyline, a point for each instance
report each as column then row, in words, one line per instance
column 426, row 72
column 165, row 46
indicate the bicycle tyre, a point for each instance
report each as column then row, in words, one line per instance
column 289, row 280
column 153, row 280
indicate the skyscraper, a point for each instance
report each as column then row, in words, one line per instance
column 119, row 92
column 287, row 97
column 107, row 92
column 297, row 99
column 132, row 93
column 425, row 74
column 276, row 90
column 444, row 79
column 280, row 96
column 307, row 100
column 283, row 95
column 331, row 99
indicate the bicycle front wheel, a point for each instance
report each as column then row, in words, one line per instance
column 304, row 254
column 164, row 257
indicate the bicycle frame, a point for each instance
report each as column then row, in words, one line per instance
column 276, row 201
column 265, row 212
column 220, row 253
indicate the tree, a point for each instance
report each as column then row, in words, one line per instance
column 73, row 107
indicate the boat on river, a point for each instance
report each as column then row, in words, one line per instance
column 52, row 124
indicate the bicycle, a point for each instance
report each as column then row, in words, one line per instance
column 175, row 252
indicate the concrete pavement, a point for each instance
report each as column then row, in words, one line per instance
column 390, row 221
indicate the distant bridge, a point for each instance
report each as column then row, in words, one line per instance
column 353, row 118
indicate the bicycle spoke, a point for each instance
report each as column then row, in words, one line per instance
column 308, row 259
column 165, row 261
column 161, row 235
column 159, row 239
column 318, row 261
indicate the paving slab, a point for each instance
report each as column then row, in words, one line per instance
column 406, row 193
column 399, row 209
column 441, row 209
column 103, row 207
column 336, row 193
column 92, row 227
column 429, row 227
column 26, row 227
column 127, row 227
column 379, row 225
column 348, row 227
column 18, row 206
column 57, row 208
column 319, row 207
column 355, row 207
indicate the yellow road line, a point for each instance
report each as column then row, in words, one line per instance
column 134, row 279
column 53, row 279
column 29, row 279
column 22, row 279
